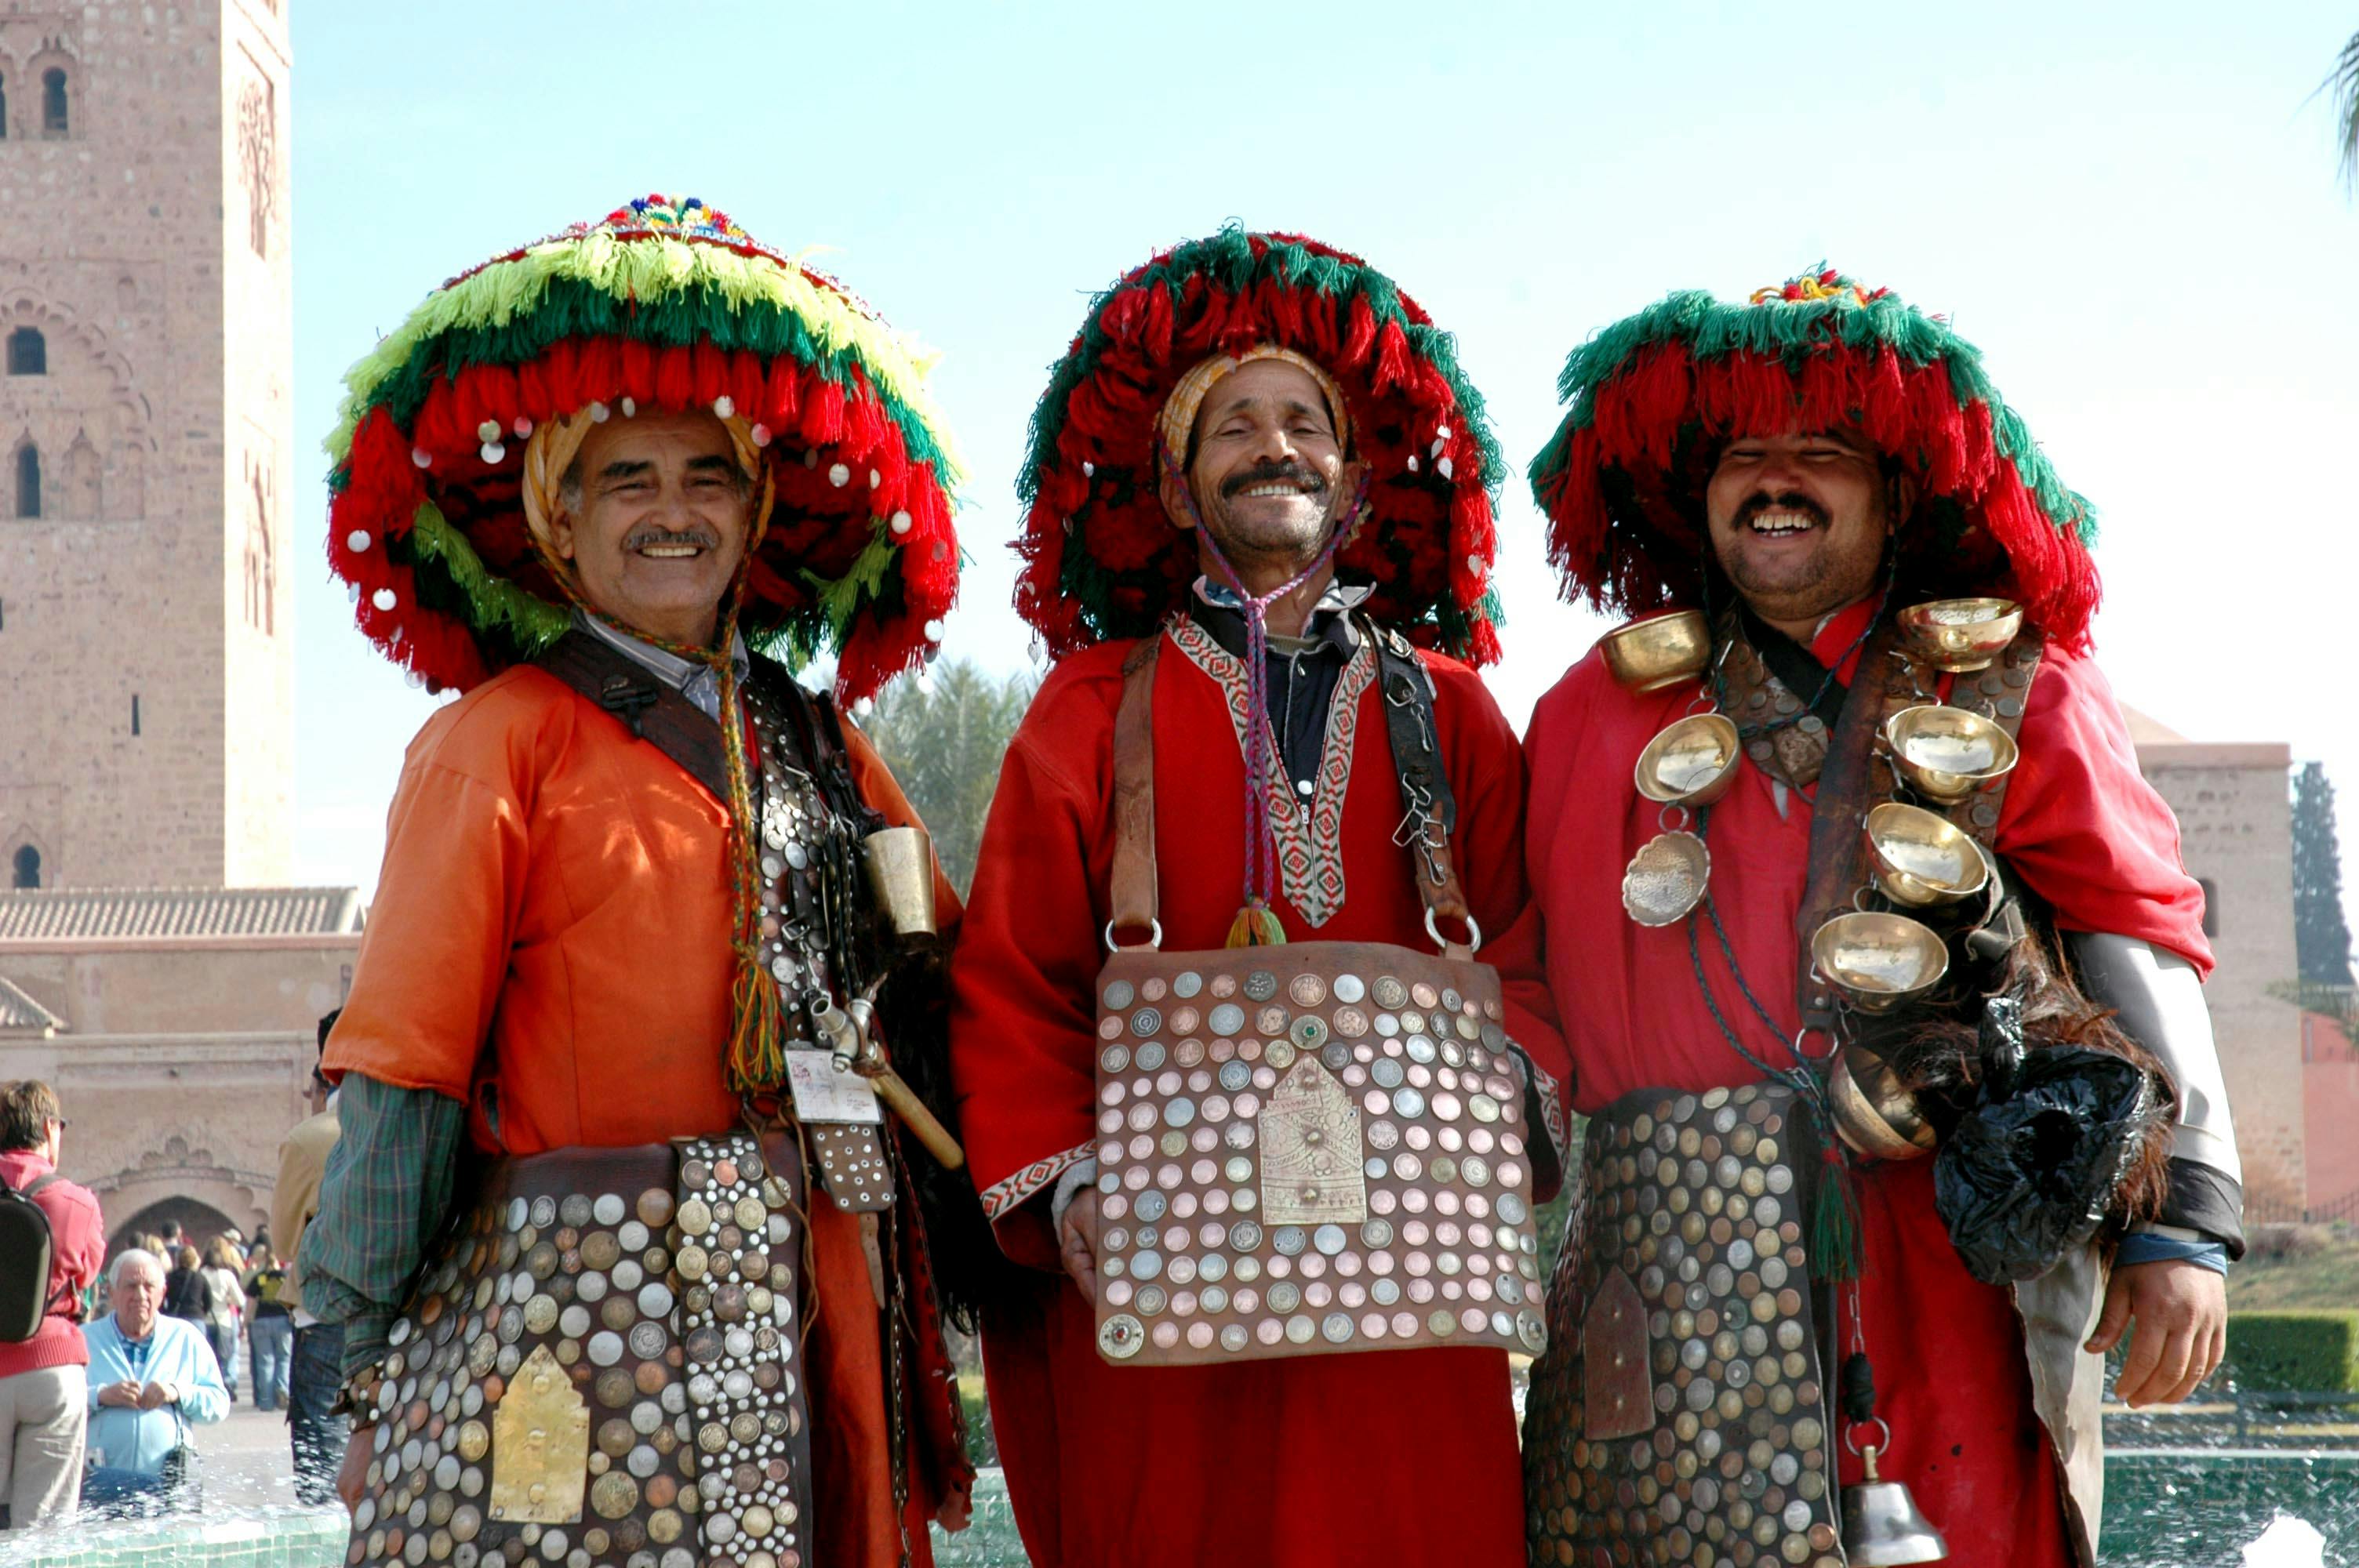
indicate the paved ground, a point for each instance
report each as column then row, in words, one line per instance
column 246, row 1459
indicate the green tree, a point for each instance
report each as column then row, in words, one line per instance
column 2321, row 939
column 2343, row 83
column 943, row 738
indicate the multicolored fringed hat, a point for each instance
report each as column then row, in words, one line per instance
column 1651, row 397
column 664, row 303
column 1104, row 559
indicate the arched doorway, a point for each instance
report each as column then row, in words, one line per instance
column 199, row 1223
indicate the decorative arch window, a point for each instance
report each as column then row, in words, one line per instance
column 2211, row 906
column 55, row 118
column 28, row 481
column 26, row 870
column 28, row 353
column 4, row 111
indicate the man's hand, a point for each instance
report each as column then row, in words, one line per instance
column 122, row 1394
column 352, row 1475
column 155, row 1397
column 2180, row 1310
column 1077, row 1241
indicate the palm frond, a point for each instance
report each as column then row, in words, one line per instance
column 2343, row 82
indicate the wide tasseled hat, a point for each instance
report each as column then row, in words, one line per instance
column 1104, row 559
column 1652, row 397
column 663, row 304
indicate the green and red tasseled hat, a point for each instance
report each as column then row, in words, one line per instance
column 1104, row 559
column 662, row 304
column 1652, row 396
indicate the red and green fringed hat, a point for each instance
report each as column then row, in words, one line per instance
column 1103, row 560
column 1652, row 396
column 662, row 303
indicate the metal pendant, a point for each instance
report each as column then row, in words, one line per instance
column 1310, row 1151
column 540, row 1445
column 1666, row 879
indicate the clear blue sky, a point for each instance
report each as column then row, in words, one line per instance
column 2133, row 209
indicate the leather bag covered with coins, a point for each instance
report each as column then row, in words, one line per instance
column 1682, row 1403
column 1310, row 1148
column 603, row 1356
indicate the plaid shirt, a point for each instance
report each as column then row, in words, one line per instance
column 387, row 1188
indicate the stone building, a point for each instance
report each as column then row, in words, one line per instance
column 2235, row 826
column 153, row 964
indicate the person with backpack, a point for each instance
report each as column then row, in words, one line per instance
column 52, row 1241
column 270, row 1333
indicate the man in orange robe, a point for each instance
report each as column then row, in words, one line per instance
column 1274, row 402
column 582, row 889
column 1803, row 467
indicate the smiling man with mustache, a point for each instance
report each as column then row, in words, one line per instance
column 623, row 929
column 1255, row 481
column 1794, row 473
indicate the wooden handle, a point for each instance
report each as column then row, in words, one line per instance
column 905, row 1104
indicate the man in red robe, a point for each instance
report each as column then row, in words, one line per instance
column 1198, row 467
column 1801, row 469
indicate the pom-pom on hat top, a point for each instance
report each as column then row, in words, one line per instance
column 1104, row 559
column 1652, row 396
column 662, row 304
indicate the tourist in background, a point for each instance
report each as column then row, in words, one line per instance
column 41, row 1377
column 269, row 1328
column 187, row 1294
column 152, row 1377
column 316, row 1361
column 224, row 1306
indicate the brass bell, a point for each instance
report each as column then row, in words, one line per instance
column 1882, row 1524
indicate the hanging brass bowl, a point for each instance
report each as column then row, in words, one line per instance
column 1666, row 879
column 1692, row 762
column 1960, row 635
column 1921, row 858
column 1947, row 753
column 1873, row 1112
column 1877, row 961
column 1663, row 650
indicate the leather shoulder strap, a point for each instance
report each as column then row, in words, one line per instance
column 1855, row 777
column 1430, row 813
column 1133, row 896
column 1999, row 694
column 818, row 736
column 655, row 712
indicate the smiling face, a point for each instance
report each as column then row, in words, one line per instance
column 1799, row 523
column 1268, row 475
column 653, row 514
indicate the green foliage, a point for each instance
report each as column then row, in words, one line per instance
column 2343, row 82
column 944, row 746
column 2301, row 1352
column 2321, row 937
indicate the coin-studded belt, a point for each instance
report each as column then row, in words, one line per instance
column 1681, row 1405
column 604, row 1364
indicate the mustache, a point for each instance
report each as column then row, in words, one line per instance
column 1312, row 482
column 1763, row 501
column 703, row 539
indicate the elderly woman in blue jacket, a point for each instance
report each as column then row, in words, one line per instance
column 151, row 1379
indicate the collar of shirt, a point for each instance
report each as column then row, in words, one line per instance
column 1218, row 609
column 700, row 683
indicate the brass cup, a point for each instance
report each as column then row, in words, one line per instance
column 1692, row 762
column 1873, row 1112
column 1960, row 635
column 1663, row 650
column 1880, row 961
column 901, row 863
column 1923, row 859
column 1947, row 753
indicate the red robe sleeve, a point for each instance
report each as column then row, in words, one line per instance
column 2085, row 828
column 1486, row 769
column 1023, row 979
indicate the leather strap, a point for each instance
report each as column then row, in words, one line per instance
column 655, row 711
column 1430, row 813
column 1132, row 893
column 1855, row 777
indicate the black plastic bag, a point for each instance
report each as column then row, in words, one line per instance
column 2031, row 1168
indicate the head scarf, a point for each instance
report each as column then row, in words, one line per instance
column 1178, row 421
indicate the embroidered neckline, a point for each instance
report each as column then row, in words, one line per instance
column 1310, row 845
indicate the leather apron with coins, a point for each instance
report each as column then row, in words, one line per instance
column 602, row 1362
column 1309, row 1147
column 1686, row 1395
